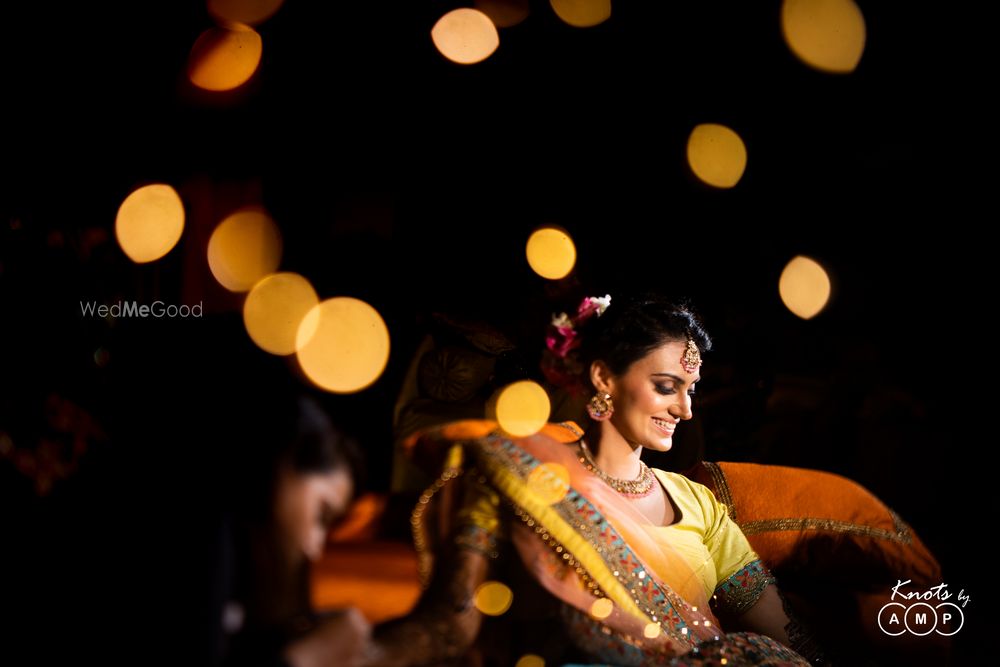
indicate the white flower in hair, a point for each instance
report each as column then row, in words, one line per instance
column 602, row 303
column 562, row 321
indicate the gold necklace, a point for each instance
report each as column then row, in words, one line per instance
column 640, row 487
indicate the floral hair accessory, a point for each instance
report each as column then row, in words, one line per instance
column 564, row 334
column 560, row 366
column 591, row 305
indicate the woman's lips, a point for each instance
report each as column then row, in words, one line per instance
column 663, row 426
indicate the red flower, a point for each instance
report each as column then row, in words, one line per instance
column 560, row 340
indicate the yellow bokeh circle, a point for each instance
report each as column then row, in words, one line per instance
column 224, row 58
column 550, row 482
column 342, row 345
column 551, row 253
column 523, row 408
column 275, row 308
column 717, row 155
column 828, row 35
column 582, row 13
column 493, row 598
column 244, row 248
column 465, row 36
column 804, row 287
column 602, row 608
column 149, row 222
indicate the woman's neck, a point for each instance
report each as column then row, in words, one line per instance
column 614, row 455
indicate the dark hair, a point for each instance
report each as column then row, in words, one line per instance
column 292, row 432
column 632, row 327
column 316, row 445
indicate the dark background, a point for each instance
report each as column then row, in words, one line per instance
column 412, row 183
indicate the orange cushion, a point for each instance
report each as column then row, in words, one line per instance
column 836, row 550
column 817, row 523
column 379, row 578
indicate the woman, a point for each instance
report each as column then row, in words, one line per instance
column 298, row 479
column 643, row 563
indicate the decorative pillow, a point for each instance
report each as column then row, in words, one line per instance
column 809, row 522
column 836, row 551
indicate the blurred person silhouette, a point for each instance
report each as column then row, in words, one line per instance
column 243, row 475
column 300, row 484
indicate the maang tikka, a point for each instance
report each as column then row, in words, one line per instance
column 691, row 359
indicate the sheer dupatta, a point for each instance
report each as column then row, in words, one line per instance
column 587, row 544
column 582, row 541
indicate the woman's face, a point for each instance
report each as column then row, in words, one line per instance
column 307, row 504
column 652, row 396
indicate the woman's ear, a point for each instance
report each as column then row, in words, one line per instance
column 601, row 377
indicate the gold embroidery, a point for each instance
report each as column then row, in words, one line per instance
column 425, row 557
column 558, row 551
column 743, row 588
column 902, row 528
column 589, row 533
column 571, row 428
column 478, row 525
column 901, row 534
column 721, row 487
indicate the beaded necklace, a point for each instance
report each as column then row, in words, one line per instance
column 640, row 487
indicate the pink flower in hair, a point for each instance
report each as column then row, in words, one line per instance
column 560, row 366
column 561, row 340
column 590, row 306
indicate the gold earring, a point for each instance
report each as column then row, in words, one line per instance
column 600, row 407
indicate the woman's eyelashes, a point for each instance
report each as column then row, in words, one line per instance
column 667, row 390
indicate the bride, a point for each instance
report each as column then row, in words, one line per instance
column 645, row 566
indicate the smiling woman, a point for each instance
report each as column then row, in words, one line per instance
column 641, row 566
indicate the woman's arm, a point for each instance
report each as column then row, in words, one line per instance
column 767, row 617
column 444, row 623
column 772, row 616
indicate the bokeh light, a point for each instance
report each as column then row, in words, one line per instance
column 652, row 630
column 551, row 253
column 250, row 12
column 244, row 248
column 804, row 287
column 602, row 608
column 493, row 598
column 504, row 13
column 275, row 308
column 530, row 660
column 149, row 222
column 550, row 482
column 465, row 36
column 523, row 408
column 717, row 155
column 828, row 35
column 582, row 13
column 342, row 345
column 224, row 58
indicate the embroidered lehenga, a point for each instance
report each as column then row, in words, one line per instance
column 659, row 587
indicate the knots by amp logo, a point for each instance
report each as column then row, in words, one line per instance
column 920, row 613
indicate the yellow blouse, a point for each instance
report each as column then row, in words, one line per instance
column 713, row 545
column 709, row 540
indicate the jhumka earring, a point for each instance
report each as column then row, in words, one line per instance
column 600, row 407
